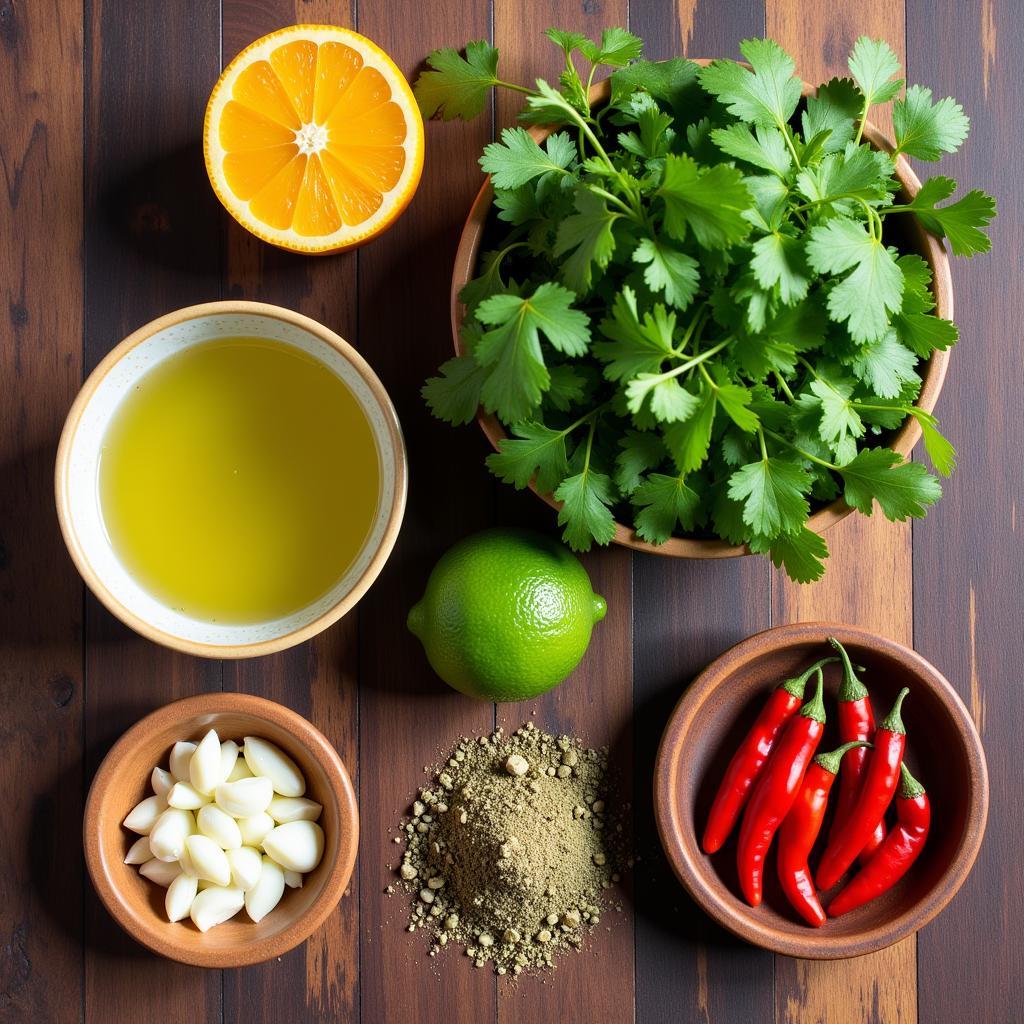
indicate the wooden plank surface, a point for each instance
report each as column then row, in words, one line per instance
column 41, row 278
column 108, row 221
column 968, row 562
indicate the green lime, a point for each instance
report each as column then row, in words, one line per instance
column 506, row 615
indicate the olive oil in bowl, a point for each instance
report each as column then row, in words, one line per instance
column 239, row 480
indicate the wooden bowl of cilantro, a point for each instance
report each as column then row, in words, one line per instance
column 709, row 313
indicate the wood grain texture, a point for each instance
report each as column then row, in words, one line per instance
column 152, row 245
column 968, row 562
column 408, row 718
column 881, row 987
column 318, row 679
column 41, row 81
column 685, row 614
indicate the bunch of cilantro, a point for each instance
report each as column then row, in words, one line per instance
column 692, row 311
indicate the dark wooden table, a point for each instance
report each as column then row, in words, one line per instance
column 107, row 220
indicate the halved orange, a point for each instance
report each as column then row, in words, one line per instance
column 313, row 140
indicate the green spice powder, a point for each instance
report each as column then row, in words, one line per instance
column 511, row 851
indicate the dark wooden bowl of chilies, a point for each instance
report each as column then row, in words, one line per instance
column 943, row 753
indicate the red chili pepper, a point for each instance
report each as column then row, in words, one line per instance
column 880, row 778
column 775, row 792
column 856, row 722
column 800, row 831
column 901, row 848
column 750, row 757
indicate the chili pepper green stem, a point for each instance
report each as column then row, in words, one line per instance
column 797, row 684
column 892, row 721
column 851, row 687
column 909, row 786
column 815, row 707
column 830, row 761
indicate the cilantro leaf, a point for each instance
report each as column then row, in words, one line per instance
column 568, row 41
column 834, row 108
column 914, row 324
column 585, row 513
column 668, row 270
column 534, row 451
column 549, row 106
column 454, row 396
column 618, row 47
column 670, row 402
column 865, row 297
column 568, row 386
column 688, row 442
column 734, row 399
column 511, row 349
column 642, row 450
column 637, row 346
column 588, row 235
column 710, row 202
column 656, row 132
column 663, row 502
column 772, row 491
column 839, row 419
column 872, row 65
column 768, row 95
column 960, row 222
column 927, row 130
column 766, row 148
column 802, row 555
column 940, row 450
column 666, row 80
column 779, row 260
column 457, row 86
column 856, row 172
column 885, row 365
column 902, row 489
column 518, row 159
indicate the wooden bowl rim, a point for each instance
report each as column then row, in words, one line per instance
column 930, row 247
column 679, row 839
column 162, row 940
column 347, row 601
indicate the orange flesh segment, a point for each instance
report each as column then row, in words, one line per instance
column 367, row 90
column 315, row 210
column 356, row 200
column 275, row 203
column 337, row 65
column 295, row 65
column 259, row 89
column 247, row 172
column 378, row 166
column 384, row 125
column 244, row 129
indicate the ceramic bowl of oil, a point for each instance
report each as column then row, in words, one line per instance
column 231, row 479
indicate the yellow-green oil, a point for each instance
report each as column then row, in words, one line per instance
column 239, row 480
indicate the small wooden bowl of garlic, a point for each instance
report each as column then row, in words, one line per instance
column 221, row 830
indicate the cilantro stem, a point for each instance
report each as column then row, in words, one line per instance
column 764, row 447
column 590, row 445
column 695, row 361
column 604, row 194
column 782, row 384
column 518, row 88
column 800, row 451
column 693, row 331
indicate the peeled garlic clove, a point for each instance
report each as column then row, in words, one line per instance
column 240, row 771
column 142, row 817
column 266, row 759
column 246, row 797
column 161, row 780
column 160, row 871
column 172, row 828
column 293, row 879
column 255, row 829
column 229, row 753
column 246, row 865
column 261, row 899
column 293, row 808
column 181, row 754
column 180, row 894
column 139, row 852
column 187, row 867
column 204, row 768
column 185, row 796
column 216, row 905
column 219, row 826
column 297, row 845
column 208, row 859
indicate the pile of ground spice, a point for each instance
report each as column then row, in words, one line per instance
column 511, row 851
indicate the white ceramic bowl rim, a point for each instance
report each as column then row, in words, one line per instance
column 78, row 465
